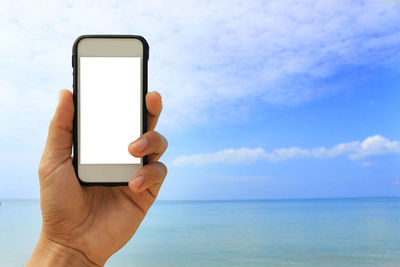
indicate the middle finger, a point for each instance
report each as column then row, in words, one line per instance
column 151, row 143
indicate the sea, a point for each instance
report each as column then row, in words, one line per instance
column 300, row 232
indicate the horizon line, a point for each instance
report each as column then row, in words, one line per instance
column 236, row 200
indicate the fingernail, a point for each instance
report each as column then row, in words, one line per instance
column 138, row 182
column 140, row 145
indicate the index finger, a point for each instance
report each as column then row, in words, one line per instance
column 154, row 107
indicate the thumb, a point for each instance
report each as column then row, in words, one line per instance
column 59, row 139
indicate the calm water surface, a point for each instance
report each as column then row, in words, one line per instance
column 335, row 232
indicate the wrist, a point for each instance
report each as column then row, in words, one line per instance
column 50, row 253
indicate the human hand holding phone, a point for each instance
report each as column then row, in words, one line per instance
column 86, row 225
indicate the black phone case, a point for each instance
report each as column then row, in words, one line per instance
column 75, row 90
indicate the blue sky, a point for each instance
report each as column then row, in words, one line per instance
column 262, row 99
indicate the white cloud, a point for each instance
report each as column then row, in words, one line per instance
column 375, row 145
column 372, row 146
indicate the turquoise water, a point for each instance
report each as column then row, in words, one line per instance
column 335, row 232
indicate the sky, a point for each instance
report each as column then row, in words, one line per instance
column 262, row 99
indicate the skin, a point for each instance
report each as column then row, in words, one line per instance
column 84, row 226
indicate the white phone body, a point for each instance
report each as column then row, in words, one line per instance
column 110, row 84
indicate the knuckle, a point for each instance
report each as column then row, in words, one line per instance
column 165, row 142
column 160, row 139
column 154, row 134
column 163, row 169
column 150, row 170
column 157, row 170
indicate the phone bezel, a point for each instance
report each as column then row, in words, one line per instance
column 107, row 45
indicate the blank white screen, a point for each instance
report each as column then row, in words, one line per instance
column 109, row 109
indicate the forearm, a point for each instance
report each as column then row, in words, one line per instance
column 49, row 253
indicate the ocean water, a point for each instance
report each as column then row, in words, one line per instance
column 319, row 232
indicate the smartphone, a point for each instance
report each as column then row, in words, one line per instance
column 110, row 85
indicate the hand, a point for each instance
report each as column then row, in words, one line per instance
column 86, row 225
